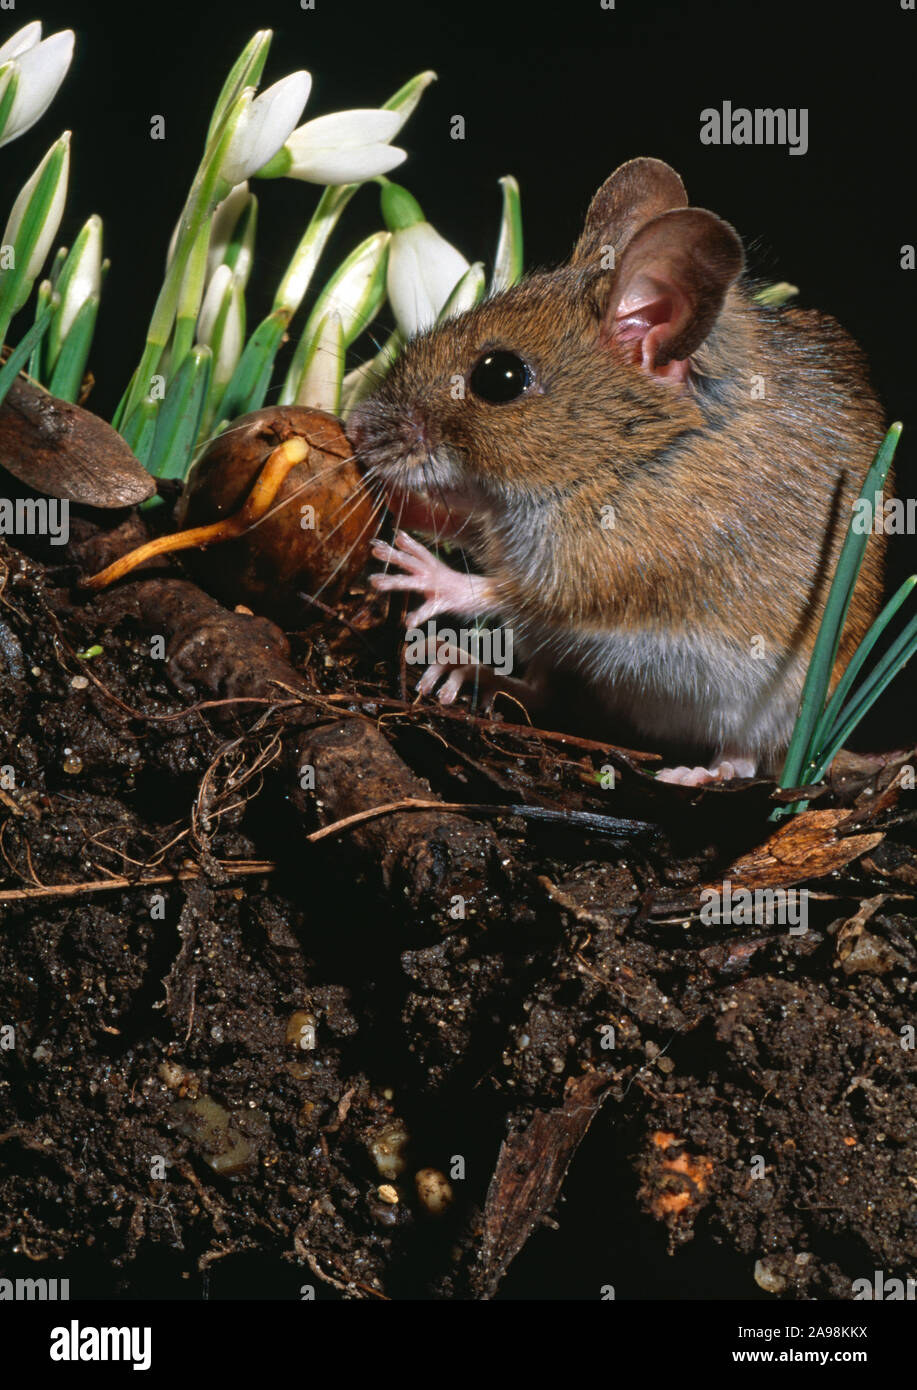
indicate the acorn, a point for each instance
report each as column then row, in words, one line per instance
column 281, row 493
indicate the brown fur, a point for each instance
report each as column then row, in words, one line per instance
column 729, row 511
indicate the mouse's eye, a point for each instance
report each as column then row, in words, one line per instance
column 500, row 376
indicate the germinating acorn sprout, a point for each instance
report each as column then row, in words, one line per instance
column 282, row 488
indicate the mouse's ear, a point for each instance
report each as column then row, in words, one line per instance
column 669, row 287
column 634, row 193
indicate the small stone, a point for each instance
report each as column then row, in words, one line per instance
column 301, row 1027
column 767, row 1279
column 434, row 1190
column 212, row 1130
column 387, row 1147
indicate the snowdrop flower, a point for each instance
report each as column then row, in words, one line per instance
column 32, row 237
column 352, row 298
column 226, row 216
column 345, row 147
column 225, row 226
column 262, row 125
column 21, row 42
column 423, row 268
column 36, row 67
column 221, row 322
column 79, row 280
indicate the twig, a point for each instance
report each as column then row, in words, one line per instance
column 101, row 885
column 588, row 745
column 588, row 820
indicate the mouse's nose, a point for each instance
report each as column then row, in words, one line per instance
column 400, row 431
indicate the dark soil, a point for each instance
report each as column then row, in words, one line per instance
column 618, row 1093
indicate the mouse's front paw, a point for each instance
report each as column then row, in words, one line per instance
column 445, row 590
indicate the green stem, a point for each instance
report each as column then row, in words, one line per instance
column 189, row 300
column 206, row 192
column 292, row 289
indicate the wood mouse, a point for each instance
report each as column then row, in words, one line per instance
column 653, row 471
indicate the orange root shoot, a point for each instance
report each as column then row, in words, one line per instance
column 264, row 490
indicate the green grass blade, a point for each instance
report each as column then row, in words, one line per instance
column 249, row 382
column 863, row 697
column 897, row 656
column 140, row 430
column 180, row 416
column 245, row 72
column 824, row 654
column 43, row 297
column 14, row 363
column 836, row 703
column 67, row 377
column 508, row 261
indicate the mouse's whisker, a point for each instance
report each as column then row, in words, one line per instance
column 396, row 526
column 316, row 478
column 352, row 504
column 345, row 559
column 478, row 614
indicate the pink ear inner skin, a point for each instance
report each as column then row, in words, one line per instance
column 650, row 326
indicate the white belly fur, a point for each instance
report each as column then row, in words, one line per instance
column 684, row 687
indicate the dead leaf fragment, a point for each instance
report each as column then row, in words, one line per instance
column 808, row 846
column 64, row 451
column 530, row 1172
